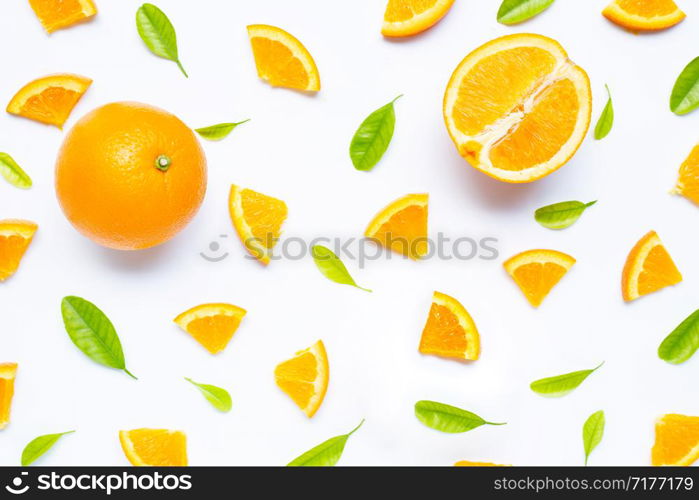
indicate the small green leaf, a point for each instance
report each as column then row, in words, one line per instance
column 13, row 173
column 685, row 93
column 373, row 136
column 157, row 33
column 516, row 11
column 218, row 397
column 326, row 454
column 219, row 131
column 38, row 446
column 561, row 385
column 446, row 418
column 606, row 119
column 332, row 267
column 92, row 332
column 683, row 342
column 561, row 215
column 593, row 430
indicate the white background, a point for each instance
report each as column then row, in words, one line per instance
column 296, row 148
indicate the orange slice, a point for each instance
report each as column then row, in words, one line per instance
column 409, row 17
column 644, row 15
column 15, row 237
column 57, row 14
column 688, row 178
column 517, row 108
column 258, row 220
column 648, row 268
column 450, row 331
column 536, row 272
column 8, row 372
column 676, row 440
column 49, row 99
column 212, row 325
column 154, row 447
column 466, row 463
column 402, row 226
column 282, row 60
column 304, row 378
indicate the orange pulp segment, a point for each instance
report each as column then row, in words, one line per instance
column 402, row 226
column 304, row 378
column 536, row 272
column 450, row 331
column 648, row 268
column 212, row 325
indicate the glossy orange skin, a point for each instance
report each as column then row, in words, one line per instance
column 108, row 184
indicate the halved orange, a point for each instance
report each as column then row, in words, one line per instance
column 282, row 60
column 688, row 178
column 466, row 463
column 304, row 378
column 212, row 325
column 8, row 372
column 644, row 15
column 49, row 99
column 536, row 272
column 676, row 440
column 15, row 237
column 258, row 220
column 154, row 447
column 402, row 226
column 450, row 331
column 648, row 268
column 410, row 17
column 517, row 108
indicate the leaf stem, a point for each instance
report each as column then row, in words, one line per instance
column 362, row 288
column 130, row 374
column 496, row 423
column 179, row 65
column 394, row 100
column 355, row 429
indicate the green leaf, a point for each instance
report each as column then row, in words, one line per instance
column 446, row 418
column 561, row 385
column 561, row 215
column 685, row 93
column 332, row 267
column 373, row 136
column 606, row 119
column 219, row 131
column 683, row 342
column 157, row 33
column 13, row 173
column 593, row 430
column 218, row 397
column 38, row 446
column 92, row 332
column 326, row 454
column 516, row 11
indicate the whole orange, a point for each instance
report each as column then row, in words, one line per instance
column 130, row 176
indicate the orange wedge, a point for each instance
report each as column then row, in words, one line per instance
column 450, row 331
column 212, row 325
column 258, row 220
column 154, row 447
column 304, row 378
column 688, row 178
column 644, row 15
column 8, row 372
column 15, row 237
column 409, row 17
column 49, row 99
column 282, row 60
column 57, row 14
column 648, row 268
column 402, row 226
column 466, row 463
column 517, row 108
column 536, row 272
column 676, row 440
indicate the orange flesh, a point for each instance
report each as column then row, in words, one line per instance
column 277, row 64
column 12, row 249
column 676, row 440
column 443, row 335
column 265, row 216
column 213, row 332
column 296, row 377
column 648, row 8
column 401, row 10
column 537, row 279
column 52, row 106
column 659, row 271
column 405, row 232
column 7, row 390
column 158, row 447
column 56, row 14
column 688, row 181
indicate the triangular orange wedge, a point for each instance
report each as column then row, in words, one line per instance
column 304, row 378
column 466, row 463
column 648, row 268
column 154, row 447
column 49, row 99
column 282, row 60
column 409, row 17
column 536, row 272
column 8, row 372
column 402, row 226
column 57, row 14
column 212, row 325
column 644, row 15
column 15, row 237
column 688, row 177
column 258, row 220
column 450, row 331
column 676, row 440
